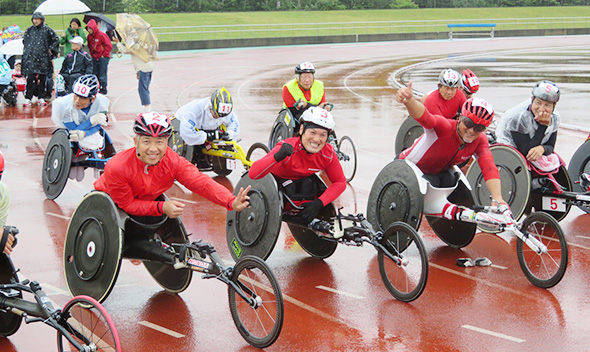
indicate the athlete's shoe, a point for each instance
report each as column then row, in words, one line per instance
column 41, row 102
column 483, row 262
column 27, row 102
column 465, row 262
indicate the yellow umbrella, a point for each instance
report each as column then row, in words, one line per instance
column 138, row 36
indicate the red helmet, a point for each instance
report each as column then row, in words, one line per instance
column 469, row 82
column 1, row 164
column 152, row 124
column 479, row 111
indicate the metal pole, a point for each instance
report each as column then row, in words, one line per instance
column 103, row 5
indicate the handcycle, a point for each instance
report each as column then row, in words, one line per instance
column 254, row 231
column 525, row 188
column 220, row 156
column 285, row 126
column 400, row 193
column 100, row 234
column 82, row 325
column 60, row 156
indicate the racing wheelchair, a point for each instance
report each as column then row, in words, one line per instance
column 82, row 325
column 100, row 235
column 285, row 126
column 403, row 264
column 62, row 154
column 401, row 193
column 525, row 188
column 220, row 156
column 580, row 165
column 9, row 94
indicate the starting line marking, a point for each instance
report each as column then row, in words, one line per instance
column 58, row 215
column 160, row 329
column 329, row 289
column 493, row 333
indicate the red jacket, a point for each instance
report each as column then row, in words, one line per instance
column 134, row 185
column 301, row 164
column 99, row 44
column 437, row 105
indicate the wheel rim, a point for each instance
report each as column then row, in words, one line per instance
column 347, row 156
column 250, row 223
column 54, row 165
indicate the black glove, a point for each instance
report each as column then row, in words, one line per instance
column 285, row 151
column 212, row 135
column 224, row 136
column 311, row 210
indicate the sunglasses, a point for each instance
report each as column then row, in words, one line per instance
column 469, row 124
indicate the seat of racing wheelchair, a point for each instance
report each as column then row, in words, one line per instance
column 100, row 235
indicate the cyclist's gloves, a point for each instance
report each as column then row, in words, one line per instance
column 99, row 119
column 285, row 151
column 299, row 104
column 212, row 135
column 224, row 136
column 311, row 210
column 77, row 135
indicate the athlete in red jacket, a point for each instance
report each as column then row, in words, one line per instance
column 137, row 176
column 294, row 159
column 447, row 100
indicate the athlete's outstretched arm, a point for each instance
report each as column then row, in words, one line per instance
column 405, row 96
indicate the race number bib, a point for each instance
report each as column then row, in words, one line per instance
column 81, row 90
column 554, row 204
column 224, row 108
column 4, row 67
column 233, row 164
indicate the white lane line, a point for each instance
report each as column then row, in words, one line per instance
column 499, row 266
column 329, row 289
column 160, row 329
column 578, row 245
column 493, row 333
column 584, row 237
column 58, row 216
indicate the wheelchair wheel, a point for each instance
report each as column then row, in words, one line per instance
column 279, row 132
column 579, row 164
column 347, row 156
column 543, row 270
column 56, row 164
column 408, row 132
column 260, row 321
column 219, row 165
column 9, row 322
column 175, row 141
column 256, row 152
column 536, row 199
column 407, row 281
column 9, row 96
column 319, row 247
column 89, row 324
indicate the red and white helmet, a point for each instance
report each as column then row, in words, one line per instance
column 479, row 111
column 318, row 116
column 469, row 82
column 152, row 124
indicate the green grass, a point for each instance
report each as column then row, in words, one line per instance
column 294, row 18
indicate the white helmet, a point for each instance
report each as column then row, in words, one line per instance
column 449, row 78
column 319, row 117
column 546, row 90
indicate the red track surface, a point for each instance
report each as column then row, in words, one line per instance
column 361, row 315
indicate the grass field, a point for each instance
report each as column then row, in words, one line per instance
column 285, row 23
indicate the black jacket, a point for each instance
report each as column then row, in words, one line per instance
column 77, row 62
column 37, row 42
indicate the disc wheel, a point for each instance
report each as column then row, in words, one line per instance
column 220, row 166
column 9, row 322
column 259, row 322
column 89, row 324
column 256, row 152
column 175, row 141
column 347, row 156
column 547, row 269
column 408, row 132
column 279, row 132
column 56, row 164
column 405, row 281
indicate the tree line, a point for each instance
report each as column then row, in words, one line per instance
column 8, row 7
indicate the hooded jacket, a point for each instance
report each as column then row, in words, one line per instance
column 99, row 44
column 37, row 43
column 78, row 61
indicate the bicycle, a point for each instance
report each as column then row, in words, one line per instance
column 255, row 298
column 220, row 156
column 285, row 126
column 401, row 254
column 82, row 325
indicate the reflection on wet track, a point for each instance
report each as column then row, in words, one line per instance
column 339, row 304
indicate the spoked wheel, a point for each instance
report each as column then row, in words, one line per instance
column 347, row 156
column 256, row 152
column 259, row 322
column 543, row 270
column 89, row 324
column 406, row 281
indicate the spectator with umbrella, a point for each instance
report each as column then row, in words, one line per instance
column 99, row 46
column 74, row 30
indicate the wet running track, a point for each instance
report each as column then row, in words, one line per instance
column 339, row 304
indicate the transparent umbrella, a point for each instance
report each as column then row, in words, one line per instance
column 61, row 7
column 138, row 36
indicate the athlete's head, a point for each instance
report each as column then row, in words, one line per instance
column 316, row 125
column 448, row 82
column 85, row 89
column 152, row 131
column 545, row 96
column 476, row 115
column 469, row 83
column 305, row 72
column 221, row 103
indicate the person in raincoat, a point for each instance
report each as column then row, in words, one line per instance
column 99, row 47
column 40, row 46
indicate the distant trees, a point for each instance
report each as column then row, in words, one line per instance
column 8, row 7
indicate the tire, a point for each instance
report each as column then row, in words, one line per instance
column 89, row 324
column 408, row 132
column 262, row 325
column 220, row 166
column 9, row 322
column 347, row 156
column 256, row 152
column 544, row 270
column 279, row 132
column 405, row 282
